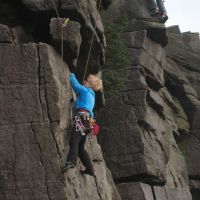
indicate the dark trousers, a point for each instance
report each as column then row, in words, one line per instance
column 77, row 143
column 154, row 3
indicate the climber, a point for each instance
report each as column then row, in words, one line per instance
column 157, row 9
column 84, row 122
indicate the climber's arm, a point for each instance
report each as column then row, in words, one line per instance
column 77, row 87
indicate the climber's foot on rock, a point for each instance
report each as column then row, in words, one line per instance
column 164, row 18
column 68, row 165
column 155, row 12
column 89, row 172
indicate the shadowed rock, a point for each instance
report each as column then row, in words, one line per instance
column 71, row 37
column 5, row 34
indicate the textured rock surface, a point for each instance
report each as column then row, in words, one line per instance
column 146, row 126
column 71, row 37
column 139, row 19
column 186, row 88
column 86, row 13
column 5, row 34
column 35, row 107
column 139, row 191
column 32, row 146
column 147, row 130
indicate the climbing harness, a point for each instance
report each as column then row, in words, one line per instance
column 81, row 121
column 85, row 124
column 79, row 125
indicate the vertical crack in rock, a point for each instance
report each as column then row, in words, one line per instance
column 42, row 77
column 41, row 160
column 96, row 183
column 47, row 105
column 3, row 104
column 165, row 192
column 48, row 114
column 153, row 192
column 1, row 184
column 173, row 178
column 163, row 149
column 2, row 193
column 14, row 164
column 39, row 82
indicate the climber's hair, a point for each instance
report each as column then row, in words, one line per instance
column 95, row 82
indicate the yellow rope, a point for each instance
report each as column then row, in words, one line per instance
column 87, row 61
column 89, row 53
column 54, row 5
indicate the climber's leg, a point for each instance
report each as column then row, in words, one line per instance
column 84, row 157
column 153, row 7
column 73, row 146
column 73, row 150
column 161, row 6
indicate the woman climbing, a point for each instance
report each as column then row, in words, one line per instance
column 157, row 9
column 83, row 122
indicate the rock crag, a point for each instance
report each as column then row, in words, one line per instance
column 36, row 100
column 149, row 131
column 148, row 148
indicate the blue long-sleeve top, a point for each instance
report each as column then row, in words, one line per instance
column 85, row 96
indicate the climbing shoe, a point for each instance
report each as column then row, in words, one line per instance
column 164, row 18
column 68, row 165
column 87, row 171
column 155, row 12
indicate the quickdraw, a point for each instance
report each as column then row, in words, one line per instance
column 65, row 22
column 79, row 125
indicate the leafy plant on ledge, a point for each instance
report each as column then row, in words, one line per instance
column 117, row 58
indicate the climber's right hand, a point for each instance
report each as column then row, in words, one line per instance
column 72, row 67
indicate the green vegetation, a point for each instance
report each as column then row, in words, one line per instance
column 117, row 58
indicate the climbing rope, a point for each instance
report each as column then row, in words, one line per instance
column 90, row 48
column 89, row 52
column 86, row 66
column 62, row 26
